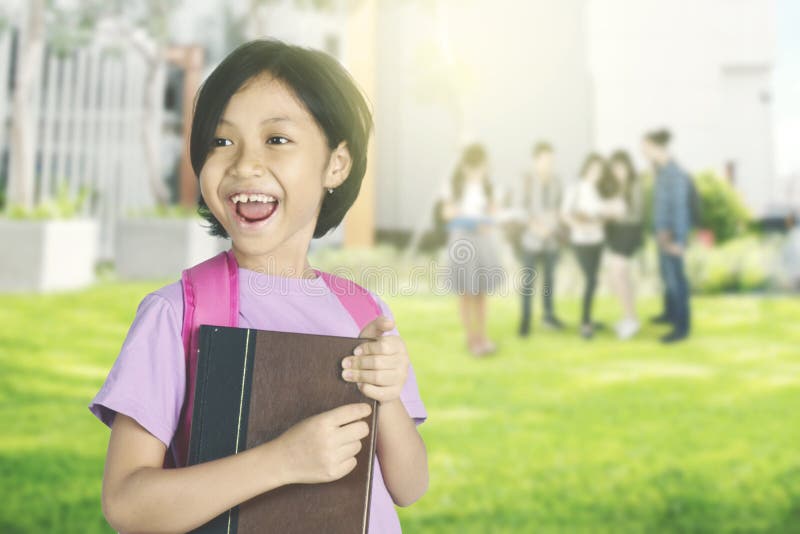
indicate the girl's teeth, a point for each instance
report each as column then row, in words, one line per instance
column 258, row 197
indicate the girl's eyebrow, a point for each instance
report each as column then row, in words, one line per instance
column 271, row 119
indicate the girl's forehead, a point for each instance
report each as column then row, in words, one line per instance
column 265, row 96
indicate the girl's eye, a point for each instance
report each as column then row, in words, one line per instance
column 277, row 140
column 220, row 141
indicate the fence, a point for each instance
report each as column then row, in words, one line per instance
column 88, row 124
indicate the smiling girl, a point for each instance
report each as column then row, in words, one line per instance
column 279, row 142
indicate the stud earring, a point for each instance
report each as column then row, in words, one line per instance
column 330, row 190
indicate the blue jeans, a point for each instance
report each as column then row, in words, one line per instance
column 547, row 259
column 666, row 310
column 676, row 288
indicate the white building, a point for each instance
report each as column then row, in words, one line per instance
column 521, row 74
column 702, row 69
column 584, row 74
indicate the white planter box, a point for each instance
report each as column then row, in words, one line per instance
column 47, row 255
column 161, row 248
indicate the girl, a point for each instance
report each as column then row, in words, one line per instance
column 624, row 237
column 279, row 143
column 585, row 211
column 474, row 266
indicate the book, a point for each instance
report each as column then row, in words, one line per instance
column 251, row 386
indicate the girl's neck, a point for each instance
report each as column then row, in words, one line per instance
column 280, row 263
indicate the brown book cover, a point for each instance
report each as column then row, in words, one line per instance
column 251, row 386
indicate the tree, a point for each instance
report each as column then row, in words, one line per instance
column 69, row 28
column 20, row 187
column 151, row 43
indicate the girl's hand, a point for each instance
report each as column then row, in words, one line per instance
column 449, row 211
column 379, row 367
column 322, row 448
column 674, row 248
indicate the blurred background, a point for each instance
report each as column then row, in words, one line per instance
column 550, row 434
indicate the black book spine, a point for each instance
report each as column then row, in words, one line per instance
column 220, row 429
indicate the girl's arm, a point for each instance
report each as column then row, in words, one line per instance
column 139, row 495
column 592, row 208
column 380, row 368
column 449, row 210
column 402, row 454
column 568, row 205
column 614, row 208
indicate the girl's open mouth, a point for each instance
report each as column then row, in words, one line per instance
column 254, row 207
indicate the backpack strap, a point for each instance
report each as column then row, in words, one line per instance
column 356, row 300
column 210, row 296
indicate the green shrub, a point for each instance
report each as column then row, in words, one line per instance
column 63, row 205
column 717, row 273
column 722, row 210
column 742, row 264
column 753, row 273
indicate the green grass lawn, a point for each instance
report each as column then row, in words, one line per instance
column 553, row 434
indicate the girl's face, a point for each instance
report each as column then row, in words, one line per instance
column 266, row 173
column 593, row 172
column 474, row 173
column 543, row 164
column 620, row 171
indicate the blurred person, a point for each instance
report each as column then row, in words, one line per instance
column 586, row 211
column 474, row 259
column 624, row 235
column 541, row 236
column 672, row 221
column 791, row 251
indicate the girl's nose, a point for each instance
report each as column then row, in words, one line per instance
column 248, row 168
column 249, row 164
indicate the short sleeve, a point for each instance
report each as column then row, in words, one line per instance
column 148, row 379
column 409, row 396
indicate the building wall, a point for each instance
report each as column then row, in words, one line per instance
column 702, row 69
column 523, row 77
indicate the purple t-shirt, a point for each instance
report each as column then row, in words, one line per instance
column 148, row 379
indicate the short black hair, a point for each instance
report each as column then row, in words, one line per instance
column 323, row 86
column 541, row 147
column 660, row 137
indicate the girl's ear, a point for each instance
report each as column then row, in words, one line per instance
column 339, row 166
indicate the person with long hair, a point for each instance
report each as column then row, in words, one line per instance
column 624, row 237
column 585, row 210
column 474, row 265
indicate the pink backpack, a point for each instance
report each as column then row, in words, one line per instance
column 211, row 296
